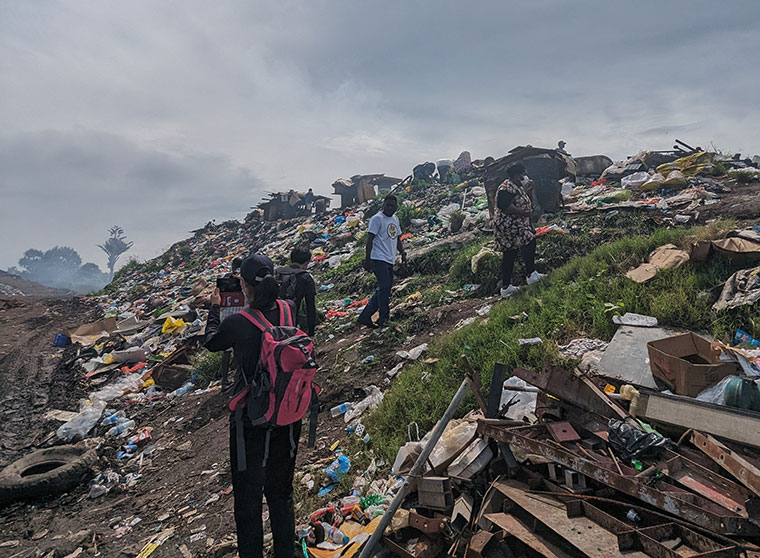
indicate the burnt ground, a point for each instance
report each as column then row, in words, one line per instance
column 186, row 481
column 32, row 380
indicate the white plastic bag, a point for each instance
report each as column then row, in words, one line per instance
column 80, row 425
column 635, row 180
column 373, row 399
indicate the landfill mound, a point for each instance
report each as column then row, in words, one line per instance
column 593, row 458
column 14, row 286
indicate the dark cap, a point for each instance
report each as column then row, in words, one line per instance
column 254, row 268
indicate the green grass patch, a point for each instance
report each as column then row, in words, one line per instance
column 575, row 300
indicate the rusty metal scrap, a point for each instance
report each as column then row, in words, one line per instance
column 740, row 467
column 679, row 502
column 574, row 388
column 650, row 539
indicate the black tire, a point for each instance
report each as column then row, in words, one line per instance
column 46, row 472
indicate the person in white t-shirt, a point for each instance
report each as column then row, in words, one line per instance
column 383, row 242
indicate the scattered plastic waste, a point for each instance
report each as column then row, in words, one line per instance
column 338, row 468
column 80, row 425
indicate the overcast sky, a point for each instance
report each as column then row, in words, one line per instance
column 162, row 115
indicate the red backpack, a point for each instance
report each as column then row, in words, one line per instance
column 281, row 392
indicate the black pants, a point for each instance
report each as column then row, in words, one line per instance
column 275, row 480
column 508, row 258
column 381, row 297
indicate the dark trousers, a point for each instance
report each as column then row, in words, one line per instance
column 382, row 296
column 508, row 258
column 275, row 480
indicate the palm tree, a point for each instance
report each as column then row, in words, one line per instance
column 115, row 246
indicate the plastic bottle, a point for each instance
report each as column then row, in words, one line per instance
column 116, row 418
column 187, row 387
column 334, row 534
column 121, row 428
column 341, row 409
column 632, row 516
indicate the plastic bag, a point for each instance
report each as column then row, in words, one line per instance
column 172, row 325
column 338, row 468
column 634, row 180
column 133, row 382
column 523, row 402
column 675, row 179
column 373, row 399
column 456, row 437
column 80, row 425
column 630, row 443
column 406, row 457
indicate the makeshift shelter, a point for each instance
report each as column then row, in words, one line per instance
column 546, row 167
column 287, row 205
column 361, row 187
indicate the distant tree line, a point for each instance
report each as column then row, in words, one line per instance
column 62, row 267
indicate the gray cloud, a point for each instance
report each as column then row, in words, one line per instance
column 296, row 94
column 69, row 188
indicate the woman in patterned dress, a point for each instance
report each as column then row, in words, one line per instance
column 513, row 230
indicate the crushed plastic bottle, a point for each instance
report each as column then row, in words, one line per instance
column 115, row 418
column 341, row 409
column 122, row 428
column 334, row 534
column 187, row 387
column 373, row 399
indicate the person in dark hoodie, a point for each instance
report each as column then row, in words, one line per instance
column 257, row 479
column 298, row 285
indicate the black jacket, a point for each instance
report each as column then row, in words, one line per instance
column 305, row 295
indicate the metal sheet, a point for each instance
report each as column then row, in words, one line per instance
column 562, row 432
column 579, row 532
column 731, row 424
column 520, row 531
column 626, row 357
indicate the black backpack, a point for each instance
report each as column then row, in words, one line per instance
column 287, row 277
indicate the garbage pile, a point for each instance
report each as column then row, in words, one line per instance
column 662, row 458
column 678, row 184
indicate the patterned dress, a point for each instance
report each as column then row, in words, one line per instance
column 513, row 231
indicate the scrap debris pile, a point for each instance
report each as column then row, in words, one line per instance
column 576, row 463
column 651, row 447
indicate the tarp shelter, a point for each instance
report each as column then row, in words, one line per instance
column 546, row 167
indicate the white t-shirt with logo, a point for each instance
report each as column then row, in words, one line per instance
column 386, row 230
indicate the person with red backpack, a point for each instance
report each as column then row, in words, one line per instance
column 273, row 391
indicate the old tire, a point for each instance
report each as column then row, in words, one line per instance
column 46, row 472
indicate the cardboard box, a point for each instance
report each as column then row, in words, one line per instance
column 687, row 363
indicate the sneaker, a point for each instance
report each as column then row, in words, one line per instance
column 370, row 324
column 534, row 277
column 509, row 291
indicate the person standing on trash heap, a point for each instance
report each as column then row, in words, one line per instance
column 513, row 229
column 226, row 355
column 383, row 242
column 275, row 481
column 298, row 285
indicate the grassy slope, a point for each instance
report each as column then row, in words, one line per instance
column 568, row 304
